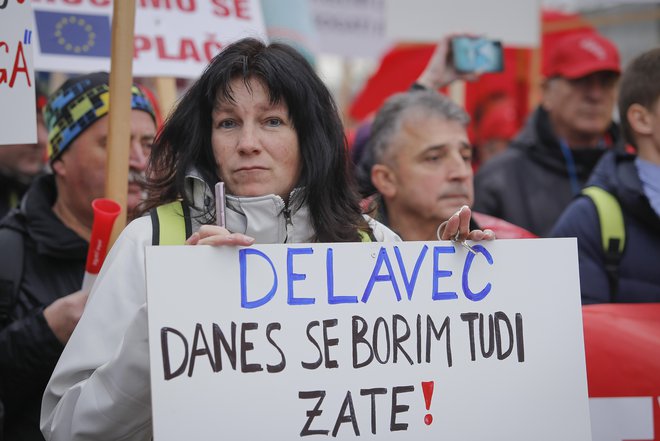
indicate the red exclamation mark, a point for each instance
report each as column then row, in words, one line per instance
column 427, row 389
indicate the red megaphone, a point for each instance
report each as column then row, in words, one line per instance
column 105, row 214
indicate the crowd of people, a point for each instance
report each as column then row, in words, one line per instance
column 260, row 120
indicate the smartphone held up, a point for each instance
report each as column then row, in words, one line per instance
column 477, row 54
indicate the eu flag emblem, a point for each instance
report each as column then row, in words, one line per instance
column 73, row 34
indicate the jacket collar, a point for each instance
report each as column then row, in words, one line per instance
column 265, row 218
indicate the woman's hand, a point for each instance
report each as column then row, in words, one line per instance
column 214, row 235
column 457, row 228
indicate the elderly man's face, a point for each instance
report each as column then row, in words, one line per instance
column 431, row 168
column 81, row 168
column 581, row 109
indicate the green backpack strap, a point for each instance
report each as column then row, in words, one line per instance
column 171, row 224
column 364, row 236
column 612, row 231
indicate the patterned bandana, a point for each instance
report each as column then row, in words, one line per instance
column 78, row 104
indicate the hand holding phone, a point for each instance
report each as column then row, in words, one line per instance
column 477, row 54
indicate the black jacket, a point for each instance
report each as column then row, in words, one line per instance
column 639, row 275
column 54, row 261
column 529, row 184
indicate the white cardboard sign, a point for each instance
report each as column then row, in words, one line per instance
column 388, row 341
column 351, row 28
column 172, row 38
column 515, row 22
column 17, row 97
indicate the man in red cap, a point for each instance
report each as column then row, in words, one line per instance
column 550, row 160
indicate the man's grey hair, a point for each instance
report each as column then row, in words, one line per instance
column 389, row 120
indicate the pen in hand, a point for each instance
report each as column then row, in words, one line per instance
column 220, row 204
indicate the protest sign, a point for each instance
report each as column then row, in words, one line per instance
column 18, row 118
column 172, row 38
column 351, row 28
column 430, row 20
column 391, row 341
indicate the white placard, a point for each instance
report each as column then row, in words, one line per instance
column 245, row 343
column 515, row 22
column 172, row 38
column 351, row 28
column 18, row 117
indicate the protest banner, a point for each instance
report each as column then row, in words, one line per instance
column 351, row 28
column 18, row 118
column 172, row 38
column 391, row 341
column 622, row 348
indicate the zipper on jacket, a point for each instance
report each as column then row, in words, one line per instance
column 286, row 211
column 288, row 223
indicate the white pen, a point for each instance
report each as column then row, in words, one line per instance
column 220, row 204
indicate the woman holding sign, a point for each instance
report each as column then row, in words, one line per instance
column 262, row 122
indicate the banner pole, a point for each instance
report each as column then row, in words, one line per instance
column 119, row 124
column 166, row 91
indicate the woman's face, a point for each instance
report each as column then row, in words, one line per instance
column 254, row 143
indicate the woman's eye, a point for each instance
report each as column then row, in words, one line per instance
column 226, row 124
column 274, row 122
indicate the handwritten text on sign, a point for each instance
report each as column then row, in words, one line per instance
column 399, row 341
column 17, row 101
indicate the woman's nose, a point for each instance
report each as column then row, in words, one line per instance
column 248, row 140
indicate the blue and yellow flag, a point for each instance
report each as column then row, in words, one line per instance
column 73, row 34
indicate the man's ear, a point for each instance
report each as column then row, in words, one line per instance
column 59, row 169
column 548, row 87
column 384, row 180
column 640, row 119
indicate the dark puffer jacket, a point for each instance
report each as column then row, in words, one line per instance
column 529, row 184
column 639, row 275
column 54, row 261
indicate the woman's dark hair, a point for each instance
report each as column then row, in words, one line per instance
column 185, row 139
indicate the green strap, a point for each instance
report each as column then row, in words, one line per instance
column 610, row 215
column 364, row 236
column 13, row 199
column 171, row 224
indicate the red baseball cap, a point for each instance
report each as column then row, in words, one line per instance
column 581, row 54
column 499, row 121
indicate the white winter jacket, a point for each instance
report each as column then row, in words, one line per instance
column 100, row 389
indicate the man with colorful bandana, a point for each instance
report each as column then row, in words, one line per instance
column 52, row 227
